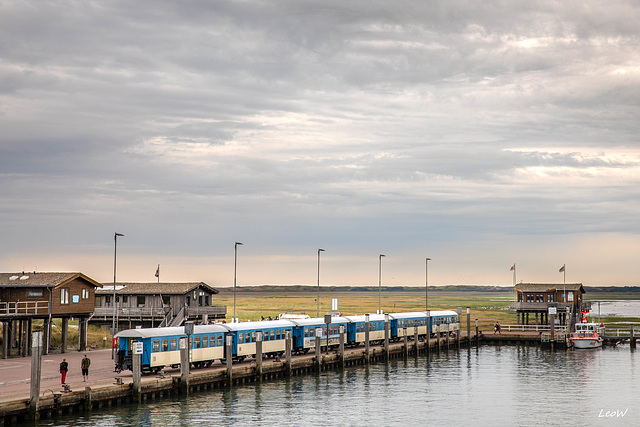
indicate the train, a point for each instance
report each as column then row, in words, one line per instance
column 160, row 346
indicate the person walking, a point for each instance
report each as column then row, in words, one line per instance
column 86, row 362
column 64, row 367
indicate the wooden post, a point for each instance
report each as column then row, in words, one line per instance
column 82, row 334
column 632, row 338
column 65, row 334
column 342, row 330
column 137, row 376
column 415, row 338
column 386, row 336
column 88, row 399
column 366, row 338
column 36, row 370
column 448, row 332
column 469, row 326
column 318, row 348
column 46, row 337
column 288, row 346
column 477, row 335
column 184, row 365
column 27, row 337
column 458, row 337
column 553, row 332
column 428, row 337
column 6, row 338
column 259, row 355
column 406, row 343
column 228, row 354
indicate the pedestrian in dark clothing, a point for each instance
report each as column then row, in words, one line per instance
column 64, row 367
column 86, row 362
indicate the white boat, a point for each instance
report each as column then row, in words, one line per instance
column 587, row 335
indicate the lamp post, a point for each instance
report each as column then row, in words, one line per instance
column 114, row 329
column 426, row 283
column 379, row 281
column 235, row 269
column 318, row 299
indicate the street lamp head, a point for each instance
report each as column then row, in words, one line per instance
column 118, row 234
column 238, row 244
column 428, row 259
column 381, row 255
column 320, row 250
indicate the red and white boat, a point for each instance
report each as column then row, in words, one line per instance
column 587, row 335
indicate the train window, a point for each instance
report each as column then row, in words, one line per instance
column 241, row 338
column 205, row 341
column 273, row 335
column 197, row 342
column 277, row 334
column 174, row 344
column 165, row 345
column 247, row 337
column 312, row 331
column 156, row 346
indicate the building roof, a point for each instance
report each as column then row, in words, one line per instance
column 153, row 288
column 549, row 287
column 41, row 280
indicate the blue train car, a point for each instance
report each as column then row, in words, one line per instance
column 355, row 329
column 161, row 346
column 400, row 321
column 444, row 321
column 304, row 333
column 273, row 337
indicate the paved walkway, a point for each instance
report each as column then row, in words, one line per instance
column 15, row 373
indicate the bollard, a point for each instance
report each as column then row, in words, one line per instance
column 318, row 348
column 341, row 328
column 36, row 373
column 228, row 354
column 406, row 343
column 184, row 365
column 288, row 351
column 386, row 336
column 469, row 326
column 366, row 338
column 259, row 355
column 477, row 335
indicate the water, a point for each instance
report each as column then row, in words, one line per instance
column 493, row 385
column 616, row 308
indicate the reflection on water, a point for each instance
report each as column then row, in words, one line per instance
column 493, row 385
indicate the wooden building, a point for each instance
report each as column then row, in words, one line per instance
column 25, row 297
column 156, row 304
column 536, row 298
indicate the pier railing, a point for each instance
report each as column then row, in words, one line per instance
column 532, row 328
column 24, row 308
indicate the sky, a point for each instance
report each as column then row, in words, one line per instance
column 478, row 134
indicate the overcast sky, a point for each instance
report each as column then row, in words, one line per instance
column 478, row 134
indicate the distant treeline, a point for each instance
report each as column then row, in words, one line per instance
column 417, row 289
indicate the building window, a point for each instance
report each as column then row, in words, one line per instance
column 125, row 299
column 85, row 294
column 64, row 296
column 141, row 301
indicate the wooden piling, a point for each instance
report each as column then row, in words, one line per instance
column 137, row 376
column 228, row 354
column 632, row 338
column 386, row 336
column 288, row 346
column 36, row 371
column 259, row 355
column 184, row 365
column 318, row 348
column 366, row 339
column 341, row 349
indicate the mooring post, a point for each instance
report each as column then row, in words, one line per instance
column 318, row 348
column 36, row 371
column 386, row 336
column 228, row 354
column 477, row 335
column 459, row 311
column 632, row 338
column 469, row 326
column 259, row 355
column 366, row 338
column 137, row 375
column 184, row 365
column 406, row 343
column 341, row 328
column 448, row 332
column 88, row 399
column 428, row 337
column 553, row 332
column 415, row 338
column 287, row 343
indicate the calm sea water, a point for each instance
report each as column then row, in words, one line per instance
column 492, row 385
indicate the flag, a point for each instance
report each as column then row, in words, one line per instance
column 561, row 269
column 513, row 267
column 158, row 271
